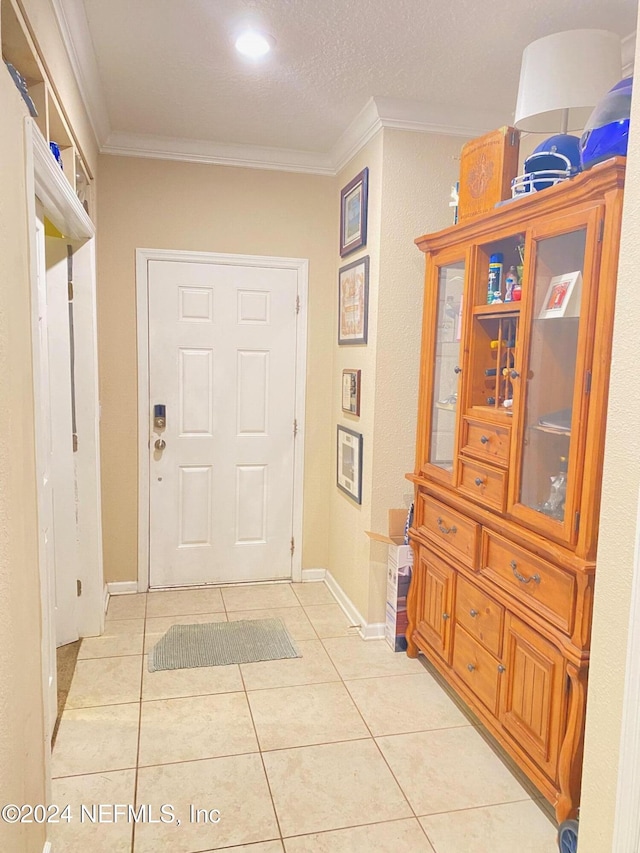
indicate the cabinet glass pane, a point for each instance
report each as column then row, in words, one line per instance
column 445, row 380
column 551, row 378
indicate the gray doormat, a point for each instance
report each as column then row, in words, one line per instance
column 221, row 644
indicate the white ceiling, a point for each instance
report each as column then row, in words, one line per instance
column 161, row 77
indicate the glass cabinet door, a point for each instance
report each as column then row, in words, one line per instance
column 441, row 441
column 554, row 382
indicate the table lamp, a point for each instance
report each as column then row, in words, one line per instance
column 562, row 78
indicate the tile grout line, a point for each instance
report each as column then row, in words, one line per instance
column 262, row 752
column 135, row 787
column 264, row 767
column 351, row 826
column 393, row 775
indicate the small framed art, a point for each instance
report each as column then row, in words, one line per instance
column 351, row 392
column 353, row 302
column 353, row 214
column 349, row 463
column 562, row 298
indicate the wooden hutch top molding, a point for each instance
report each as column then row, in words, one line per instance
column 584, row 187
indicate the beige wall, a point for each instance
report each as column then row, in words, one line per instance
column 349, row 547
column 410, row 180
column 618, row 532
column 21, row 717
column 165, row 205
column 419, row 172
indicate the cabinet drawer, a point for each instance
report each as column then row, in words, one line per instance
column 486, row 441
column 547, row 589
column 449, row 529
column 477, row 668
column 481, row 616
column 484, row 484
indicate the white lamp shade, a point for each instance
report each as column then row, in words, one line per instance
column 566, row 71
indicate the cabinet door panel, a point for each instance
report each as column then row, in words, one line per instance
column 551, row 393
column 441, row 362
column 533, row 699
column 435, row 602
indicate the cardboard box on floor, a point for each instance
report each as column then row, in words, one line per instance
column 399, row 563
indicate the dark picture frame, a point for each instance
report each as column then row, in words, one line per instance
column 353, row 213
column 351, row 391
column 349, row 463
column 353, row 302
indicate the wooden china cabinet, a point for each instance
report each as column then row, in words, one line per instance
column 511, row 426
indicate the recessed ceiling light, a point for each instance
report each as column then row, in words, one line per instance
column 254, row 44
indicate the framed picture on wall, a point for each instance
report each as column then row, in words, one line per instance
column 349, row 463
column 353, row 302
column 353, row 214
column 351, row 392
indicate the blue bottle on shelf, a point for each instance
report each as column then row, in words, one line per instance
column 494, row 286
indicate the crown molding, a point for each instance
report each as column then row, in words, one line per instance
column 628, row 54
column 377, row 113
column 74, row 29
column 216, row 153
column 414, row 116
column 363, row 128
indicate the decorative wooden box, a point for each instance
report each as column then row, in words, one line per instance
column 488, row 164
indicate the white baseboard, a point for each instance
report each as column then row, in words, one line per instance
column 372, row 631
column 313, row 575
column 122, row 587
column 106, row 597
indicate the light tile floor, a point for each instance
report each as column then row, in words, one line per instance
column 349, row 749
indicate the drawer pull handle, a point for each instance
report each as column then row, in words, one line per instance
column 471, row 667
column 479, row 481
column 514, row 567
column 484, row 439
column 445, row 616
column 446, row 530
column 501, row 668
column 457, row 370
column 473, row 613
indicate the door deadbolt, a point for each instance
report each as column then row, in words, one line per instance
column 159, row 416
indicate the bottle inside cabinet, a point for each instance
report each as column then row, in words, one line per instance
column 494, row 327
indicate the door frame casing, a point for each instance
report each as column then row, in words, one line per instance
column 46, row 185
column 301, row 266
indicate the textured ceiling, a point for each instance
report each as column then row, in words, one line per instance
column 168, row 67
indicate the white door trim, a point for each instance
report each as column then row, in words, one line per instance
column 46, row 182
column 301, row 265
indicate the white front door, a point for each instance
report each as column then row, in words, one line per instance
column 222, row 361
